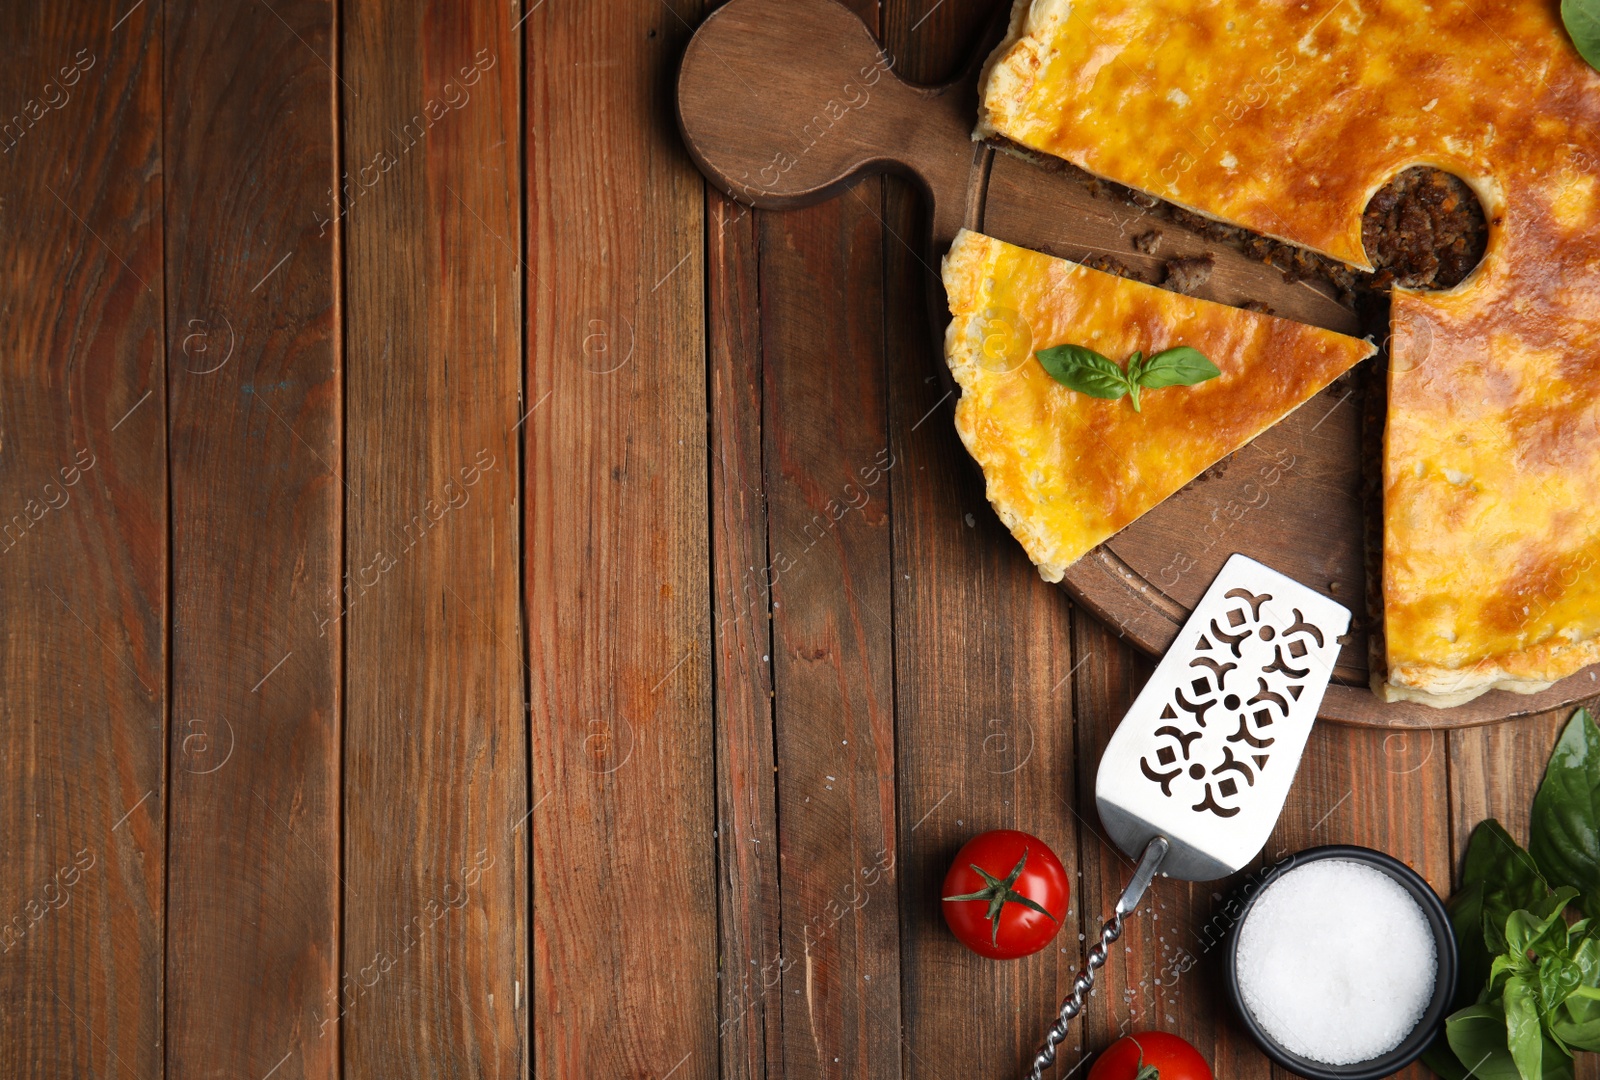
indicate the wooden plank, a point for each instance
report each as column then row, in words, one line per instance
column 827, row 453
column 747, row 849
column 618, row 553
column 1384, row 790
column 1163, row 972
column 254, row 437
column 83, row 543
column 983, row 654
column 435, row 874
column 1495, row 771
column 827, row 457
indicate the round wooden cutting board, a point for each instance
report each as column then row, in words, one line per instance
column 784, row 103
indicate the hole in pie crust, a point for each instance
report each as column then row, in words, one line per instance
column 1424, row 229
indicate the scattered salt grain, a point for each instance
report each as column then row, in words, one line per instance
column 1337, row 962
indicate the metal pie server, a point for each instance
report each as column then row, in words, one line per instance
column 1194, row 778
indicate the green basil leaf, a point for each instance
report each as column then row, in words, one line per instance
column 1495, row 858
column 1555, row 1061
column 1135, row 368
column 1564, row 836
column 1558, row 978
column 1577, row 1035
column 1478, row 1036
column 1556, row 901
column 1537, row 951
column 1182, row 366
column 1520, row 930
column 1084, row 370
column 1442, row 1060
column 1541, row 931
column 1551, row 940
column 1466, row 919
column 1577, row 1022
column 1506, row 967
column 1582, row 18
column 1523, row 1035
column 1508, row 875
column 1587, row 956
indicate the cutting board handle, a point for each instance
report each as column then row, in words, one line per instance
column 784, row 103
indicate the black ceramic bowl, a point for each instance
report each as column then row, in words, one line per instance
column 1415, row 1043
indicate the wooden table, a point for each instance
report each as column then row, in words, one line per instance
column 478, row 601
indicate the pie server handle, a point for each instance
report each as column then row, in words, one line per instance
column 1154, row 852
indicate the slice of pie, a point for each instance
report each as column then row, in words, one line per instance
column 1065, row 471
column 1285, row 117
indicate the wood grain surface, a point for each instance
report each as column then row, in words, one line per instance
column 83, row 544
column 434, row 958
column 832, row 659
column 586, row 639
column 749, row 921
column 618, row 569
column 253, row 390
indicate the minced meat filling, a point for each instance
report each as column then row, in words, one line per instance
column 1187, row 275
column 1424, row 230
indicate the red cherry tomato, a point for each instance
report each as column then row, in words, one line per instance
column 1005, row 895
column 1150, row 1055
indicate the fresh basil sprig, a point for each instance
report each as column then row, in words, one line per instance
column 1528, row 994
column 1582, row 19
column 1080, row 368
column 1565, row 834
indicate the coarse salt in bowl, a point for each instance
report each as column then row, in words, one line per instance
column 1336, row 963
